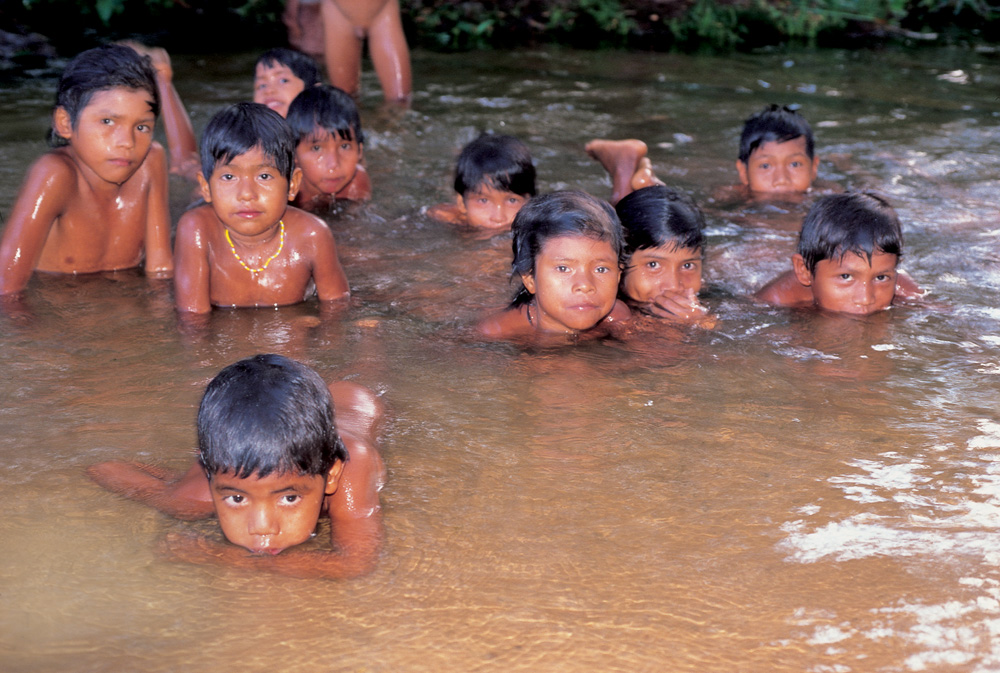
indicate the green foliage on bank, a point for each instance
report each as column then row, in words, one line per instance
column 452, row 25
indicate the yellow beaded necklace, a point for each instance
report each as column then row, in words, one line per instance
column 281, row 245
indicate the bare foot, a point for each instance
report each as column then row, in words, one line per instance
column 644, row 175
column 620, row 159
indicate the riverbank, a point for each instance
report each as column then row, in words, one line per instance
column 30, row 37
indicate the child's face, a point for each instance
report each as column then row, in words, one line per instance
column 850, row 284
column 276, row 86
column 490, row 208
column 248, row 194
column 328, row 161
column 113, row 133
column 653, row 272
column 270, row 514
column 575, row 283
column 779, row 167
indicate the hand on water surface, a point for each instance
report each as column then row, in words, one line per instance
column 677, row 306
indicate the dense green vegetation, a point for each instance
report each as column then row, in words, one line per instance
column 207, row 25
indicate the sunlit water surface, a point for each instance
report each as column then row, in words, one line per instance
column 787, row 492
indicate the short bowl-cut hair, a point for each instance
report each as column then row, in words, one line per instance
column 563, row 213
column 236, row 129
column 775, row 123
column 328, row 108
column 99, row 69
column 302, row 66
column 267, row 414
column 658, row 216
column 860, row 222
column 497, row 161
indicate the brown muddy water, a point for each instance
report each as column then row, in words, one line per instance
column 788, row 492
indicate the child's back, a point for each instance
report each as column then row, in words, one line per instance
column 98, row 201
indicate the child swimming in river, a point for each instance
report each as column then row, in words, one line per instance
column 567, row 249
column 664, row 247
column 330, row 148
column 247, row 246
column 494, row 177
column 777, row 153
column 271, row 461
column 848, row 251
column 98, row 200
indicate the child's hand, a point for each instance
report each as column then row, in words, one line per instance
column 677, row 306
column 158, row 55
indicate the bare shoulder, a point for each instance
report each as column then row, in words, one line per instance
column 785, row 290
column 620, row 312
column 299, row 222
column 907, row 288
column 197, row 220
column 448, row 213
column 357, row 410
column 507, row 324
column 55, row 166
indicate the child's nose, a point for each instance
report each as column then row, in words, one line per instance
column 865, row 294
column 263, row 522
column 670, row 279
column 781, row 175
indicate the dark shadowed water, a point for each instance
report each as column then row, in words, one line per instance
column 787, row 492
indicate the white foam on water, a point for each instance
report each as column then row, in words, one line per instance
column 917, row 510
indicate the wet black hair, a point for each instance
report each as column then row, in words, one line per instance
column 267, row 414
column 497, row 161
column 860, row 222
column 775, row 123
column 236, row 129
column 327, row 107
column 302, row 66
column 659, row 216
column 563, row 213
column 99, row 69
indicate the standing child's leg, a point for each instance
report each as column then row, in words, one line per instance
column 390, row 54
column 343, row 48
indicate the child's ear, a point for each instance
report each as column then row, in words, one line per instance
column 333, row 477
column 815, row 166
column 294, row 183
column 802, row 273
column 528, row 279
column 460, row 203
column 206, row 192
column 61, row 123
column 741, row 168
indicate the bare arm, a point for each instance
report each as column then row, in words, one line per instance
column 331, row 282
column 176, row 122
column 907, row 288
column 785, row 290
column 42, row 199
column 159, row 260
column 191, row 279
column 184, row 496
column 359, row 188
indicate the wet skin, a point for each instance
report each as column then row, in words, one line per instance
column 775, row 168
column 276, row 87
column 248, row 199
column 575, row 283
column 665, row 281
column 331, row 169
column 97, row 204
column 850, row 284
column 270, row 514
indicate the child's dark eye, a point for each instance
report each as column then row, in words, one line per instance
column 653, row 265
column 235, row 499
column 764, row 166
column 291, row 499
column 562, row 268
column 316, row 148
column 345, row 146
column 143, row 127
column 513, row 200
column 603, row 269
column 845, row 276
column 688, row 266
column 796, row 164
column 226, row 176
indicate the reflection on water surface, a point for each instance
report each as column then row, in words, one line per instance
column 786, row 492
